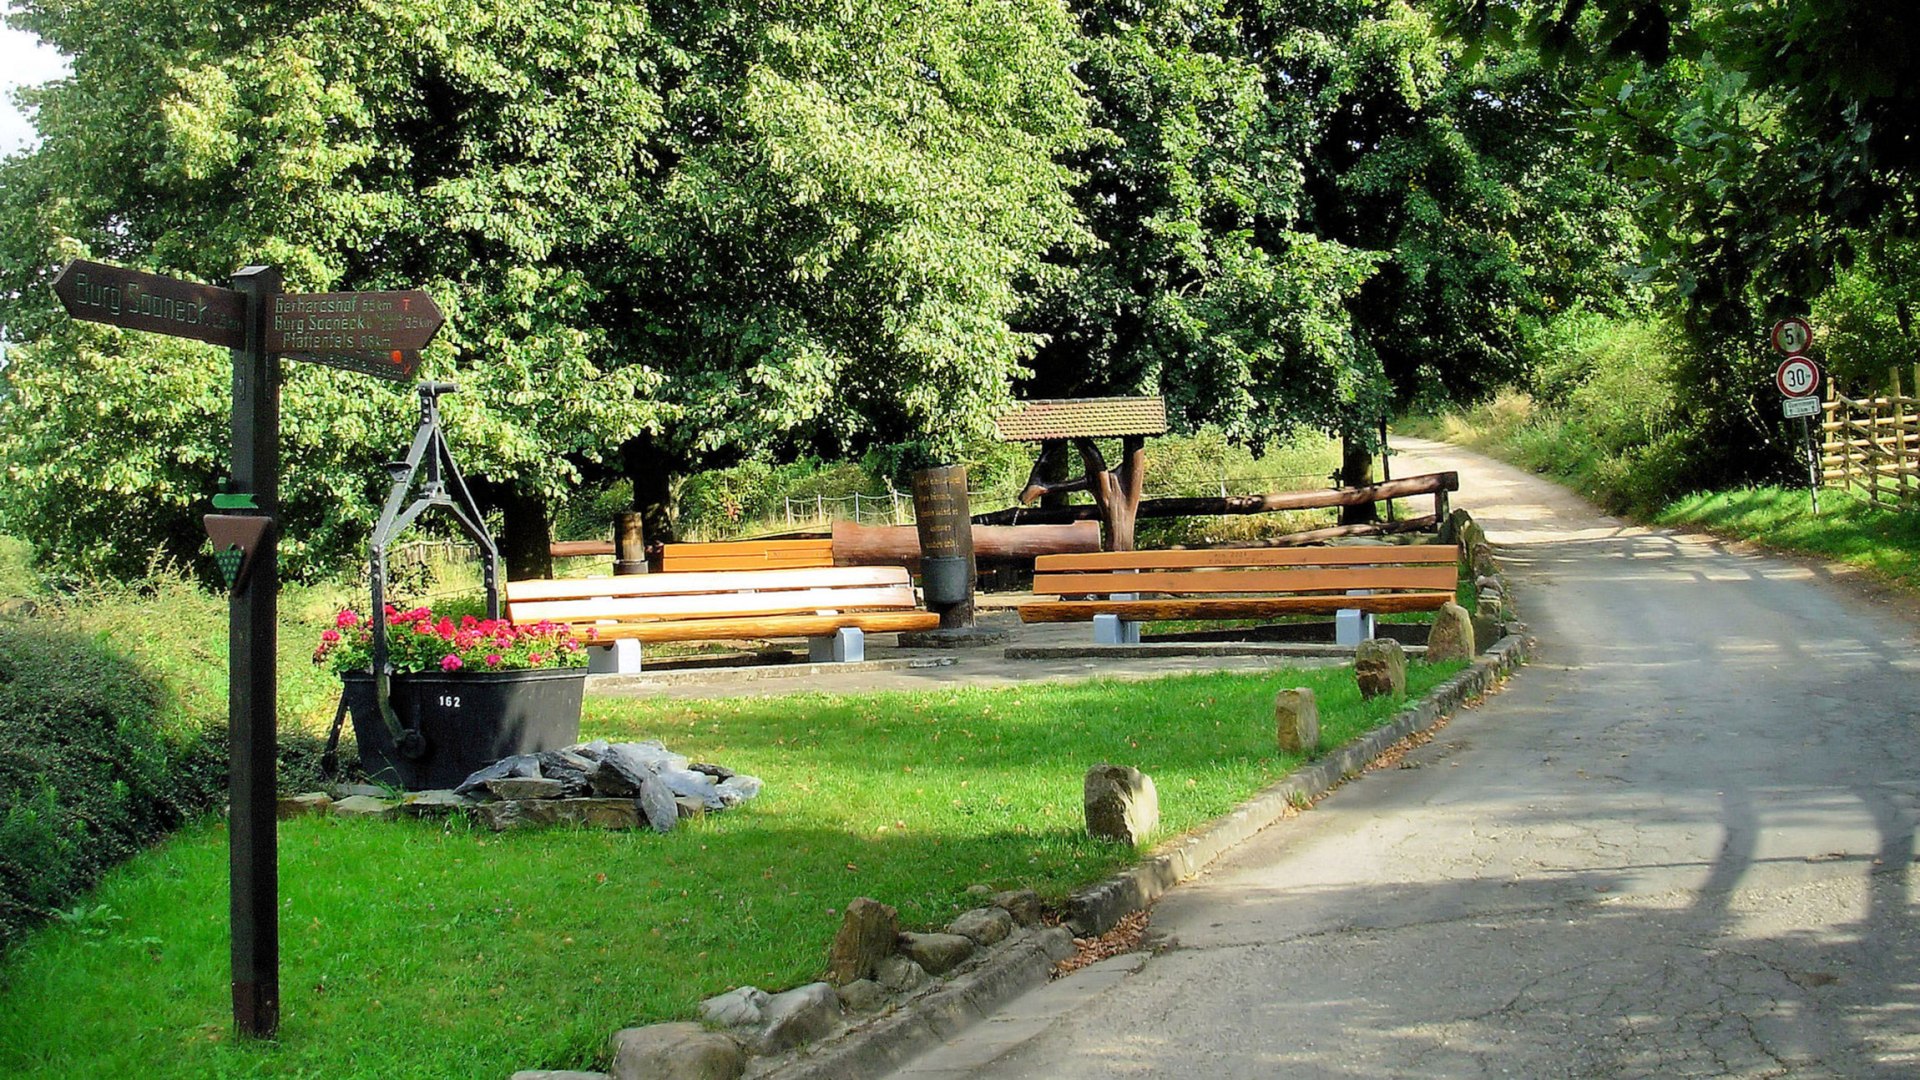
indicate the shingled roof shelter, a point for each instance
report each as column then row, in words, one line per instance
column 1053, row 422
column 1090, row 418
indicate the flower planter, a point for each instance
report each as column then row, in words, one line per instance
column 469, row 720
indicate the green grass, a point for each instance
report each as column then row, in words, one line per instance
column 1847, row 529
column 424, row 950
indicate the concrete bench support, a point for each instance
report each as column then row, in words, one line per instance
column 614, row 658
column 847, row 645
column 1351, row 626
column 1114, row 630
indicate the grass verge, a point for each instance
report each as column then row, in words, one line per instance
column 429, row 950
column 1847, row 529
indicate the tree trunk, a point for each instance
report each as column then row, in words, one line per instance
column 526, row 545
column 1356, row 470
column 1054, row 472
column 650, row 470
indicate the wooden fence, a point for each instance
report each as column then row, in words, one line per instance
column 1872, row 444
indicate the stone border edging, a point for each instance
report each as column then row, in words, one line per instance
column 881, row 1046
column 890, row 1042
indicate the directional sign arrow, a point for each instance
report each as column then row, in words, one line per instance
column 137, row 300
column 314, row 324
column 396, row 364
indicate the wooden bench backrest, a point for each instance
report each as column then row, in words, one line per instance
column 1384, row 568
column 713, row 594
column 746, row 555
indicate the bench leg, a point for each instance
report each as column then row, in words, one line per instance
column 1114, row 630
column 1352, row 626
column 848, row 645
column 614, row 658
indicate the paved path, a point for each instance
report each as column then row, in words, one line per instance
column 1679, row 844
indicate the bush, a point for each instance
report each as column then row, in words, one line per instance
column 96, row 763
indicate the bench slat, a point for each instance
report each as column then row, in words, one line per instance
column 713, row 605
column 1228, row 607
column 745, row 555
column 711, row 582
column 1375, row 555
column 878, row 622
column 1201, row 581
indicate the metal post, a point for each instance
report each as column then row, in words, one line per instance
column 1813, row 463
column 251, row 691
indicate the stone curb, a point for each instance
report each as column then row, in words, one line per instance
column 1190, row 648
column 879, row 1047
column 755, row 672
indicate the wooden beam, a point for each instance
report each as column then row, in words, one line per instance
column 1208, row 505
column 1228, row 608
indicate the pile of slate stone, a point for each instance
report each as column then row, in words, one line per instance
column 602, row 785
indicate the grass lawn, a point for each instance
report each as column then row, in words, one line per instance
column 1849, row 529
column 417, row 950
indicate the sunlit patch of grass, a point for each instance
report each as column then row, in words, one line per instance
column 435, row 950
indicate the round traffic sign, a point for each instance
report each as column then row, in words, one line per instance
column 1797, row 377
column 1792, row 336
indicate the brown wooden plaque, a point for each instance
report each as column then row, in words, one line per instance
column 136, row 300
column 344, row 324
column 398, row 365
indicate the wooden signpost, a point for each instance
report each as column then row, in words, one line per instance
column 376, row 333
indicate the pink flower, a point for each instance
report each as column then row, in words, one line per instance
column 451, row 663
column 329, row 636
column 494, row 659
column 346, row 619
column 535, row 658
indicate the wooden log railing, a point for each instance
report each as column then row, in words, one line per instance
column 899, row 545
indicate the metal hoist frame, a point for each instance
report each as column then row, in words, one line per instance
column 431, row 464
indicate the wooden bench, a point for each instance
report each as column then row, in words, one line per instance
column 834, row 607
column 1119, row 590
column 747, row 555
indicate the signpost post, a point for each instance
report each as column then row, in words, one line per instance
column 1797, row 378
column 376, row 333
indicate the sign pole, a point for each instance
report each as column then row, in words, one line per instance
column 1813, row 463
column 251, row 690
column 376, row 333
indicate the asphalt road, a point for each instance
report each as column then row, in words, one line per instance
column 1680, row 843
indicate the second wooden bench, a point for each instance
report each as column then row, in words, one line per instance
column 833, row 607
column 1119, row 590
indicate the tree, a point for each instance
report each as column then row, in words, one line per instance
column 1200, row 284
column 661, row 234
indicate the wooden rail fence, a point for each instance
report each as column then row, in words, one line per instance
column 1872, row 445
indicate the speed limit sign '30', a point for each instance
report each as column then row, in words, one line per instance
column 1797, row 377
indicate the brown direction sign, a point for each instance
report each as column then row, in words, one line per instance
column 137, row 300
column 315, row 324
column 396, row 364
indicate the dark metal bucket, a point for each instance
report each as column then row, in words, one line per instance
column 469, row 720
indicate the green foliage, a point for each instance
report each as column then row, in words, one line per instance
column 96, row 763
column 771, row 227
column 482, row 950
